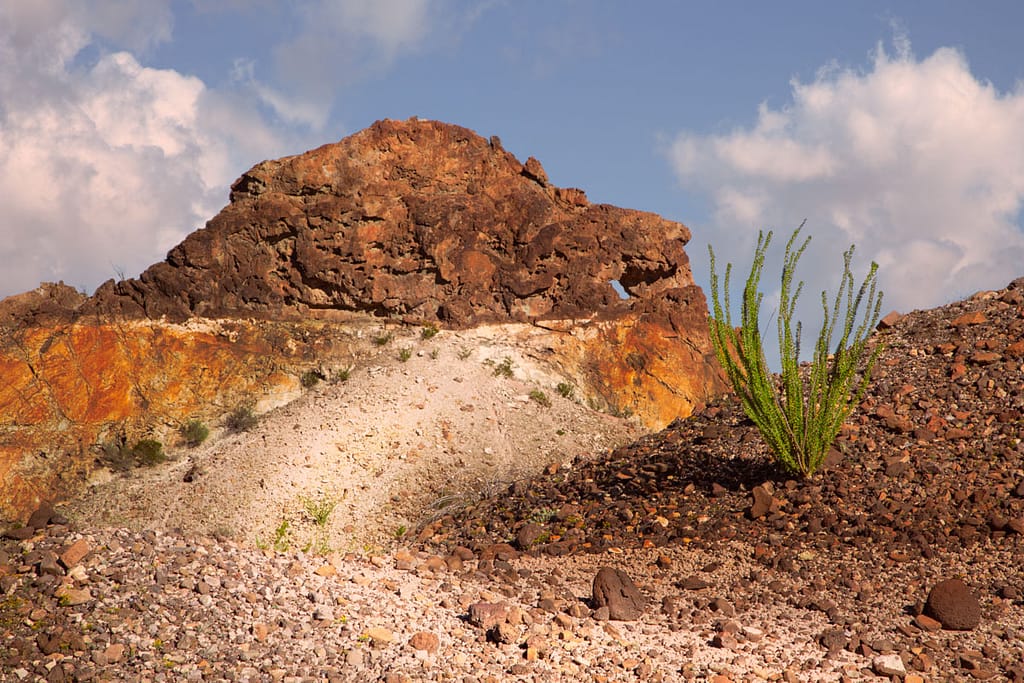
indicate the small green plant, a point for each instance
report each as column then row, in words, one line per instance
column 383, row 339
column 504, row 368
column 540, row 397
column 310, row 378
column 565, row 389
column 404, row 354
column 543, row 515
column 464, row 353
column 320, row 509
column 116, row 455
column 149, row 452
column 281, row 537
column 194, row 433
column 400, row 531
column 429, row 331
column 434, row 353
column 799, row 414
column 342, row 374
column 241, row 419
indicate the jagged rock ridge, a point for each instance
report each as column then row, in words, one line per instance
column 414, row 218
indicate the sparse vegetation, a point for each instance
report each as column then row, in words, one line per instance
column 281, row 543
column 404, row 354
column 319, row 509
column 543, row 515
column 540, row 397
column 241, row 419
column 118, row 456
column 149, row 452
column 565, row 390
column 800, row 413
column 429, row 331
column 434, row 353
column 383, row 339
column 504, row 368
column 194, row 433
column 400, row 531
column 310, row 378
column 464, row 353
column 342, row 374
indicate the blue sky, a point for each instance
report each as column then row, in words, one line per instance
column 895, row 126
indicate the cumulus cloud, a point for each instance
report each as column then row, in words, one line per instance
column 336, row 43
column 915, row 161
column 105, row 165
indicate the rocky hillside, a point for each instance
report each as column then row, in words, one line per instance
column 682, row 556
column 401, row 225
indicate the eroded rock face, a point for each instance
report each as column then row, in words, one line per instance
column 414, row 221
column 419, row 219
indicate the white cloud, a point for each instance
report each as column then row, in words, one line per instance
column 337, row 43
column 105, row 166
column 915, row 161
column 340, row 42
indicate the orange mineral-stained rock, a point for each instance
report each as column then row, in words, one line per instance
column 69, row 387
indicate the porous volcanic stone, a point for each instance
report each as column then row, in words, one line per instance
column 953, row 605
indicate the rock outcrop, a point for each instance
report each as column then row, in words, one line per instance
column 404, row 222
column 418, row 219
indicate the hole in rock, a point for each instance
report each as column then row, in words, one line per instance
column 619, row 289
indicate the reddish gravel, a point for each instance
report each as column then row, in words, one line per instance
column 928, row 471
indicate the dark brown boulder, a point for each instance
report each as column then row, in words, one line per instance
column 953, row 605
column 614, row 590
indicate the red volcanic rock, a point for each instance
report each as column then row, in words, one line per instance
column 421, row 219
column 952, row 604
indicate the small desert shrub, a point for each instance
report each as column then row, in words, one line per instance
column 564, row 389
column 540, row 397
column 504, row 368
column 310, row 378
column 281, row 537
column 404, row 354
column 799, row 414
column 194, row 433
column 382, row 339
column 117, row 456
column 434, row 353
column 464, row 353
column 149, row 452
column 343, row 374
column 320, row 509
column 429, row 331
column 241, row 419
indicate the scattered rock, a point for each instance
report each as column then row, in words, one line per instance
column 75, row 553
column 426, row 641
column 763, row 500
column 486, row 615
column 615, row 590
column 528, row 535
column 888, row 665
column 952, row 603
